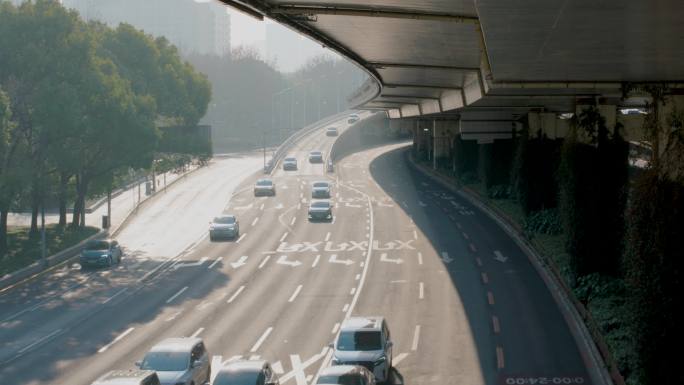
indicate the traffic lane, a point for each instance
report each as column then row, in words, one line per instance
column 170, row 227
column 139, row 308
column 532, row 336
column 425, row 311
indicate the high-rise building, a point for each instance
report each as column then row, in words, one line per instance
column 193, row 27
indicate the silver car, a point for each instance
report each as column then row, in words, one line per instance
column 346, row 375
column 102, row 252
column 179, row 361
column 128, row 377
column 320, row 210
column 365, row 341
column 264, row 186
column 315, row 157
column 320, row 190
column 225, row 226
column 290, row 163
column 252, row 372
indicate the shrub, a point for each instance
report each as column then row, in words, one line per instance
column 543, row 222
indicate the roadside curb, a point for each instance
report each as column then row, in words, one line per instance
column 594, row 362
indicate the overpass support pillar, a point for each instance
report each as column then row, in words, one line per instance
column 443, row 134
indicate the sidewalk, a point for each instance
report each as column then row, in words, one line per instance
column 122, row 204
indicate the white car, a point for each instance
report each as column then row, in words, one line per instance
column 365, row 341
column 346, row 375
column 224, row 226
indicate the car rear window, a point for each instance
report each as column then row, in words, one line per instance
column 320, row 184
column 240, row 378
column 166, row 361
column 97, row 245
column 224, row 220
column 264, row 182
column 345, row 379
column 320, row 204
column 359, row 340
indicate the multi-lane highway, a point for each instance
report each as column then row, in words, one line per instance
column 463, row 303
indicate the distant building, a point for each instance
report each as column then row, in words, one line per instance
column 194, row 27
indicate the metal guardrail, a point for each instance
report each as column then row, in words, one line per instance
column 292, row 139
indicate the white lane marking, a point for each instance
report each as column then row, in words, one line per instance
column 335, row 328
column 241, row 237
column 490, row 298
column 278, row 368
column 345, row 308
column 254, row 357
column 421, row 291
column 383, row 258
column 189, row 264
column 283, row 237
column 472, row 248
column 286, row 377
column 115, row 295
column 292, row 222
column 416, row 337
column 459, row 226
column 485, row 278
column 358, row 276
column 300, row 378
column 333, row 259
column 261, row 207
column 327, row 236
column 294, row 295
column 495, row 324
column 500, row 357
column 396, row 360
column 173, row 316
column 315, row 262
column 38, row 341
column 254, row 222
column 446, row 258
column 197, row 332
column 261, row 340
column 232, row 297
column 353, row 290
column 479, row 261
column 264, row 261
column 420, row 258
column 299, row 206
column 240, row 262
column 177, row 294
column 415, row 234
column 466, row 236
column 309, row 378
column 499, row 257
column 219, row 259
column 117, row 339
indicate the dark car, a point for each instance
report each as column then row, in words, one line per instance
column 129, row 377
column 253, row 372
column 224, row 226
column 353, row 118
column 179, row 361
column 290, row 164
column 102, row 252
column 320, row 210
column 315, row 157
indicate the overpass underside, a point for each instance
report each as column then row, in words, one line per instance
column 483, row 69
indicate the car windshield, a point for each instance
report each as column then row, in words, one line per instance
column 290, row 159
column 359, row 340
column 166, row 361
column 224, row 220
column 345, row 379
column 315, row 153
column 320, row 184
column 320, row 204
column 264, row 182
column 240, row 378
column 98, row 245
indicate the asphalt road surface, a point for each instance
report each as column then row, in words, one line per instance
column 463, row 303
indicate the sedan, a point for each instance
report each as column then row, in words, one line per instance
column 315, row 157
column 226, row 226
column 253, row 372
column 264, row 187
column 346, row 375
column 290, row 163
column 320, row 190
column 320, row 210
column 100, row 253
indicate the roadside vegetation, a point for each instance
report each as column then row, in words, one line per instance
column 84, row 108
column 612, row 233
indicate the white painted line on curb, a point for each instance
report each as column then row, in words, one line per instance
column 177, row 294
column 117, row 339
column 264, row 261
column 416, row 338
column 261, row 340
column 232, row 297
column 294, row 295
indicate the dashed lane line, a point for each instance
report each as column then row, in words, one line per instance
column 261, row 340
column 232, row 297
column 219, row 259
column 294, row 295
column 416, row 338
column 177, row 294
column 117, row 339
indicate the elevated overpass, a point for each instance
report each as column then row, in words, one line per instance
column 480, row 66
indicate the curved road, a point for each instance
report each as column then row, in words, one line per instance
column 463, row 303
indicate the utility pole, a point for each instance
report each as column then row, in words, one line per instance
column 43, row 238
column 109, row 207
column 434, row 144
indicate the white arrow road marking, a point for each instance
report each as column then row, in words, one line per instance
column 422, row 204
column 283, row 261
column 240, row 262
column 279, row 206
column 383, row 258
column 117, row 339
column 446, row 258
column 191, row 264
column 333, row 259
column 278, row 368
column 261, row 340
column 396, row 360
column 499, row 257
column 388, row 246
